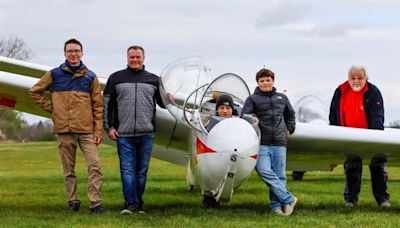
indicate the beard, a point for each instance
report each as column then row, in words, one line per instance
column 356, row 87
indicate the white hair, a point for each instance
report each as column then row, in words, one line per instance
column 362, row 68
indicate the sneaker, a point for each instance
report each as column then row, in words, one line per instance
column 288, row 209
column 349, row 204
column 74, row 206
column 98, row 209
column 385, row 204
column 129, row 209
column 278, row 212
column 141, row 211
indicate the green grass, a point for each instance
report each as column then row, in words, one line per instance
column 32, row 195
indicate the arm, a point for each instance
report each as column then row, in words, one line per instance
column 249, row 108
column 376, row 110
column 97, row 110
column 290, row 117
column 158, row 99
column 334, row 109
column 37, row 92
column 109, row 106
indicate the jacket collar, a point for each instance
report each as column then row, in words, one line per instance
column 76, row 71
column 269, row 93
column 135, row 70
column 345, row 86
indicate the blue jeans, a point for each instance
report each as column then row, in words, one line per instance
column 134, row 157
column 271, row 167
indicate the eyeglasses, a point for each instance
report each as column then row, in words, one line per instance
column 75, row 51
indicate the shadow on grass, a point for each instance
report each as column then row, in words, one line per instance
column 334, row 179
column 328, row 209
column 244, row 209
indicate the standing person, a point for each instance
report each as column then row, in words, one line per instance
column 130, row 99
column 358, row 103
column 76, row 107
column 276, row 118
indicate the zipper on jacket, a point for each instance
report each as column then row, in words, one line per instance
column 273, row 120
column 134, row 124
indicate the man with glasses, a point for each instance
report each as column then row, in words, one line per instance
column 76, row 107
column 358, row 103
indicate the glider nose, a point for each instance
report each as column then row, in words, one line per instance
column 234, row 135
column 234, row 146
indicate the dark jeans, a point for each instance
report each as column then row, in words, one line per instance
column 134, row 157
column 379, row 177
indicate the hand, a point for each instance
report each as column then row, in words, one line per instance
column 255, row 120
column 97, row 140
column 113, row 134
column 170, row 97
column 288, row 133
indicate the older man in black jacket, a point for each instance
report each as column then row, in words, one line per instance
column 358, row 103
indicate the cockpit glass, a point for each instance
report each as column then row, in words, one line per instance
column 311, row 109
column 232, row 85
column 228, row 84
column 184, row 76
column 188, row 85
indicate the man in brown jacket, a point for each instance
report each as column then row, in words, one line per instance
column 76, row 107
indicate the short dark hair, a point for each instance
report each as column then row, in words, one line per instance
column 72, row 41
column 135, row 47
column 265, row 73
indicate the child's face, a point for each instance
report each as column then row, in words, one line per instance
column 265, row 84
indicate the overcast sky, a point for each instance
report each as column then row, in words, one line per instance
column 310, row 44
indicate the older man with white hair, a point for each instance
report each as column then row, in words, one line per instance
column 358, row 103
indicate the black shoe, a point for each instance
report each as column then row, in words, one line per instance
column 74, row 206
column 129, row 209
column 98, row 209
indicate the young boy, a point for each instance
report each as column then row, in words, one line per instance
column 276, row 118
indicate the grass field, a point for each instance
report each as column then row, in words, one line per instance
column 32, row 195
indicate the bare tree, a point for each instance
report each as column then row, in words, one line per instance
column 14, row 47
column 11, row 122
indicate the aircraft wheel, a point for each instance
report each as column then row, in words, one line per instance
column 190, row 188
column 297, row 175
column 210, row 202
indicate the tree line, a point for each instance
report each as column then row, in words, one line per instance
column 12, row 124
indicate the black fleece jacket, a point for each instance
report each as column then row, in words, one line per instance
column 275, row 113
